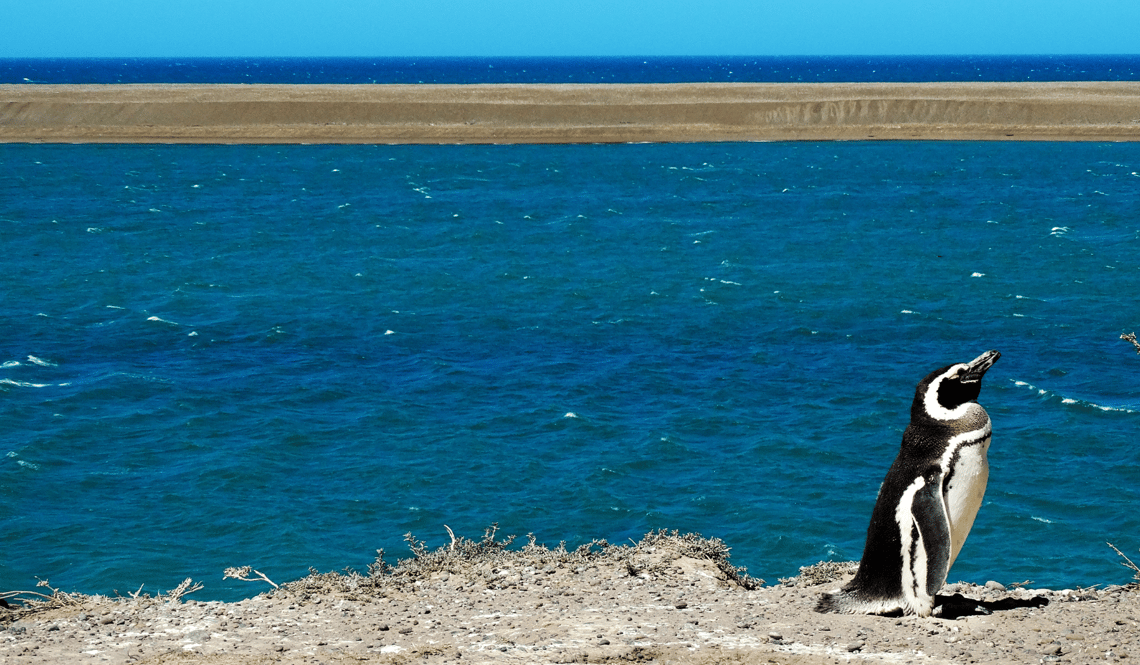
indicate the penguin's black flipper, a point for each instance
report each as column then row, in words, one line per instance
column 929, row 557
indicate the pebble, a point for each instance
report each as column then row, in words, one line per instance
column 856, row 646
column 995, row 586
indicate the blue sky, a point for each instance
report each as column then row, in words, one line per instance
column 36, row 28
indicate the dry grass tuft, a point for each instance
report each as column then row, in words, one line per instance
column 821, row 573
column 488, row 562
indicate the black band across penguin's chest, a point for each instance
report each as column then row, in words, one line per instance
column 953, row 456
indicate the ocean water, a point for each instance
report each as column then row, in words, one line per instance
column 290, row 356
column 776, row 69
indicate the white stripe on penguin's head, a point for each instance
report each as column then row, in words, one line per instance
column 930, row 399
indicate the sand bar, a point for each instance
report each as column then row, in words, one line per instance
column 569, row 113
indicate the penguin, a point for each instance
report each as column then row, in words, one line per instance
column 928, row 500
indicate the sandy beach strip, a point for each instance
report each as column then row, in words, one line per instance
column 569, row 113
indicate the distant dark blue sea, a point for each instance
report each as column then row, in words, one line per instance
column 777, row 69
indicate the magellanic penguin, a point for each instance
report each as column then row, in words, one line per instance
column 929, row 499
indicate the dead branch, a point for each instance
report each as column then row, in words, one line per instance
column 1131, row 337
column 243, row 575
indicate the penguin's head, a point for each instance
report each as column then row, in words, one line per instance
column 945, row 393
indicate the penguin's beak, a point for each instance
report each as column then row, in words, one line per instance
column 977, row 367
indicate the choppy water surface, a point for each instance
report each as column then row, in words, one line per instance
column 291, row 356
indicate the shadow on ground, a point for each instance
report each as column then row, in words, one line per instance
column 958, row 606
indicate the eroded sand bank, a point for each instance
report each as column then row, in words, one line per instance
column 537, row 113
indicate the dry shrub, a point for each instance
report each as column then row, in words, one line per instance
column 488, row 561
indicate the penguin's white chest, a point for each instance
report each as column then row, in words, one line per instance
column 964, row 489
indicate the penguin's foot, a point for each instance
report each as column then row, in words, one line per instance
column 851, row 602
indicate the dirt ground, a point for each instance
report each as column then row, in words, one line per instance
column 668, row 599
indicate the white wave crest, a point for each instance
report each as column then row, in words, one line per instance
column 40, row 361
column 22, row 384
column 1071, row 401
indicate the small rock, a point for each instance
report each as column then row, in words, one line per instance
column 681, row 605
column 604, row 641
column 855, row 646
column 775, row 636
column 384, row 626
column 995, row 586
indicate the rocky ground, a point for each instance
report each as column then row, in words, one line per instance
column 667, row 599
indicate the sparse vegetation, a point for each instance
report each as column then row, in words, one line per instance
column 820, row 573
column 487, row 560
column 243, row 573
column 1128, row 563
column 37, row 600
column 34, row 602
